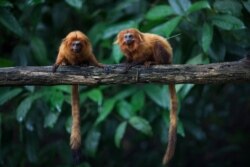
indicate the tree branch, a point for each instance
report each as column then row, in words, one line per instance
column 198, row 74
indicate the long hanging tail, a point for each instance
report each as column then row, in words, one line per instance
column 173, row 125
column 75, row 137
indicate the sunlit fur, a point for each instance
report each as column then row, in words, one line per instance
column 149, row 49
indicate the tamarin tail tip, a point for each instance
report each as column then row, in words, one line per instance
column 76, row 155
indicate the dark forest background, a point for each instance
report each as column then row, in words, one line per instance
column 125, row 125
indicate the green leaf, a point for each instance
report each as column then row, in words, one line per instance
column 30, row 88
column 227, row 22
column 159, row 12
column 116, row 53
column 6, row 62
column 125, row 109
column 120, row 131
column 95, row 95
column 92, row 141
column 138, row 100
column 167, row 28
column 158, row 94
column 68, row 124
column 141, row 125
column 21, row 54
column 198, row 6
column 218, row 50
column 124, row 94
column 96, row 32
column 4, row 3
column 247, row 5
column 199, row 59
column 63, row 88
column 180, row 128
column 207, row 36
column 24, row 106
column 56, row 99
column 9, row 95
column 31, row 152
column 35, row 2
column 115, row 29
column 75, row 3
column 29, row 125
column 10, row 22
column 180, row 6
column 185, row 89
column 105, row 110
column 51, row 119
column 39, row 50
column 231, row 7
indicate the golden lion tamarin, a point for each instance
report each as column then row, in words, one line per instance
column 148, row 49
column 75, row 49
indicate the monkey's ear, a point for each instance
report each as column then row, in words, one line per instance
column 140, row 36
column 116, row 41
column 85, row 42
column 65, row 41
column 118, row 37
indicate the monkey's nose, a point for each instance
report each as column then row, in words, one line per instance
column 76, row 47
column 128, row 41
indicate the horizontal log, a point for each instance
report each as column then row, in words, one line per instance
column 227, row 72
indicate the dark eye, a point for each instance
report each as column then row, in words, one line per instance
column 128, row 36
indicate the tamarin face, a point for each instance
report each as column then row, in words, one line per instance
column 76, row 41
column 129, row 37
column 76, row 46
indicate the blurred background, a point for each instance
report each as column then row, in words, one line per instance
column 125, row 125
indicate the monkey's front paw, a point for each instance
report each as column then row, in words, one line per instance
column 54, row 68
column 147, row 64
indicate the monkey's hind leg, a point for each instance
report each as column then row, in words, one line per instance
column 161, row 55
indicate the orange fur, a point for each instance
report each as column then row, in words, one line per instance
column 68, row 57
column 143, row 49
column 83, row 55
column 148, row 49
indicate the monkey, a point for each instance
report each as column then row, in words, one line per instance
column 75, row 49
column 149, row 49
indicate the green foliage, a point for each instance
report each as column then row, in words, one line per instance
column 207, row 36
column 120, row 133
column 10, row 22
column 159, row 12
column 141, row 125
column 125, row 125
column 8, row 95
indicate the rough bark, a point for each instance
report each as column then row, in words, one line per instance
column 198, row 74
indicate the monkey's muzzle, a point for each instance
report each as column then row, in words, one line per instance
column 128, row 38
